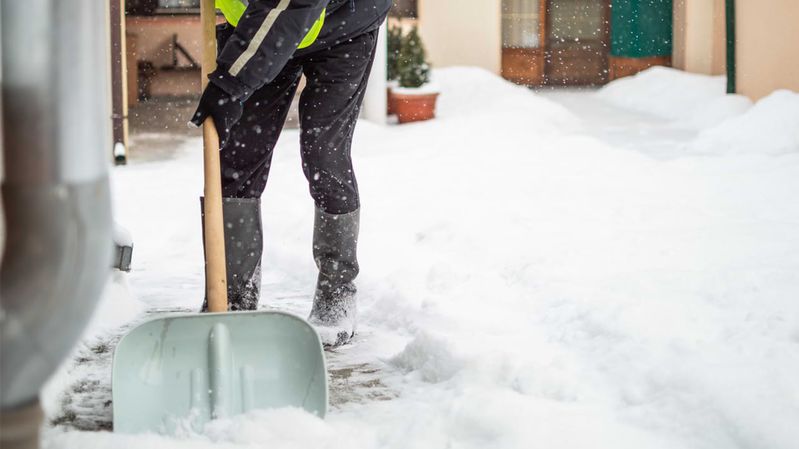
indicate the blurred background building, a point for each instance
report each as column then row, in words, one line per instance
column 530, row 42
column 589, row 42
column 163, row 44
column 533, row 42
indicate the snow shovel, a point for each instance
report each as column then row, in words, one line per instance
column 174, row 374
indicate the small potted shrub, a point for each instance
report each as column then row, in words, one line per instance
column 415, row 98
column 394, row 37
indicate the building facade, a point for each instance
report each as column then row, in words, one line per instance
column 549, row 42
column 532, row 42
column 589, row 42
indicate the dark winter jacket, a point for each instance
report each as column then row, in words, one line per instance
column 269, row 32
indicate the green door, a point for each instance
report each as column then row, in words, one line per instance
column 641, row 28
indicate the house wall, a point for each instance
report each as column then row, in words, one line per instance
column 767, row 52
column 719, row 36
column 699, row 36
column 462, row 32
column 153, row 38
column 767, row 42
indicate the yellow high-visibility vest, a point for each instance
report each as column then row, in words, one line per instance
column 234, row 9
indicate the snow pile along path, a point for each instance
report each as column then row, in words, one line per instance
column 473, row 91
column 770, row 127
column 695, row 100
column 727, row 124
column 523, row 284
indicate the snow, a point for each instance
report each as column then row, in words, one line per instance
column 425, row 89
column 770, row 127
column 117, row 308
column 695, row 100
column 122, row 236
column 537, row 270
column 470, row 91
column 727, row 123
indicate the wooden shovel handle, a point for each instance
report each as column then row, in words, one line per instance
column 215, row 271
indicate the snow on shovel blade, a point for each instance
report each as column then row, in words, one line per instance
column 176, row 373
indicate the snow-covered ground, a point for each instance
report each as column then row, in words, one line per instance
column 555, row 270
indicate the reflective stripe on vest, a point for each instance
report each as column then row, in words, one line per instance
column 234, row 9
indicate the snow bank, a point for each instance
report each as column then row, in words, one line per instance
column 728, row 124
column 695, row 100
column 770, row 127
column 468, row 91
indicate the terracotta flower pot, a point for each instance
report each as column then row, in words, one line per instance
column 391, row 107
column 414, row 107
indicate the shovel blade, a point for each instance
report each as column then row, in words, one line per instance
column 174, row 374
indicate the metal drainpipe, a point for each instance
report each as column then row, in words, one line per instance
column 730, row 23
column 56, row 134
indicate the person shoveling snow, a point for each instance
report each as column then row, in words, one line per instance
column 264, row 48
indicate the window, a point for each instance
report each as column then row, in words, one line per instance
column 178, row 4
column 520, row 23
column 150, row 7
column 576, row 20
column 404, row 9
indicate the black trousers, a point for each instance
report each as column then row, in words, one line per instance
column 336, row 80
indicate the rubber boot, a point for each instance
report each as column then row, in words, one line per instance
column 243, row 249
column 335, row 242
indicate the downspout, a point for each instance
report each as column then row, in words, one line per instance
column 730, row 22
column 119, row 82
column 55, row 193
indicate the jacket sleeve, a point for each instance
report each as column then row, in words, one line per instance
column 265, row 38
